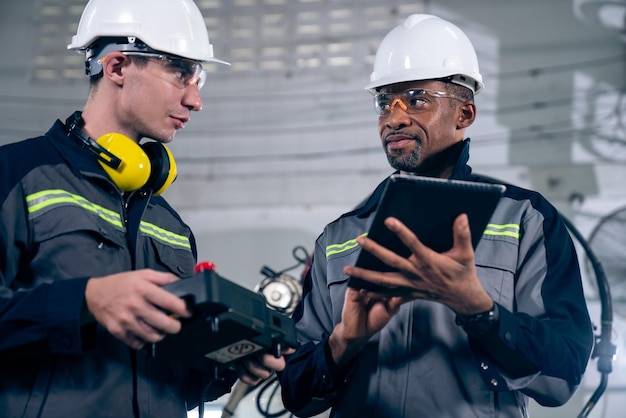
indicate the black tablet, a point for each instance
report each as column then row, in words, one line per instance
column 428, row 206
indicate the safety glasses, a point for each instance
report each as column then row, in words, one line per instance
column 184, row 72
column 411, row 101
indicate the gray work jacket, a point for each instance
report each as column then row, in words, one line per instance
column 62, row 222
column 423, row 364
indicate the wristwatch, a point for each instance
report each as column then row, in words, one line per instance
column 479, row 324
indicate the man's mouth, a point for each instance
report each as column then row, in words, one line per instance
column 180, row 121
column 396, row 142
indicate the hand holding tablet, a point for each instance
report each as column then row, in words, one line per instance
column 428, row 207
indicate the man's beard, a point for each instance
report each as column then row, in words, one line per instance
column 405, row 162
column 432, row 166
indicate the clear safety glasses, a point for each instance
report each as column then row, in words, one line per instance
column 411, row 101
column 184, row 72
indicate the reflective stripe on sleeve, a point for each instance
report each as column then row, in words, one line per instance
column 509, row 230
column 333, row 249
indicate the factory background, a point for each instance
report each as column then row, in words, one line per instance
column 287, row 139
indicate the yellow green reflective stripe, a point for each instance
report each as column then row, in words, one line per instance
column 339, row 248
column 164, row 236
column 44, row 200
column 508, row 230
column 39, row 202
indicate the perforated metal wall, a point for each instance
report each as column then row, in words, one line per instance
column 254, row 35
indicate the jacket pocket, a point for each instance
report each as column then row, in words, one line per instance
column 70, row 242
column 496, row 264
column 337, row 281
column 174, row 259
column 337, row 262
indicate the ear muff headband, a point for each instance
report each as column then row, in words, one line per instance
column 74, row 125
column 129, row 165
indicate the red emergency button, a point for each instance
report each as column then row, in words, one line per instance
column 204, row 266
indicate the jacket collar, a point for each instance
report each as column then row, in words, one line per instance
column 77, row 155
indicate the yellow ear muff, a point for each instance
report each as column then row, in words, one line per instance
column 172, row 173
column 163, row 166
column 129, row 165
column 134, row 170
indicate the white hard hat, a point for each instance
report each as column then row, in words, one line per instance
column 172, row 26
column 426, row 47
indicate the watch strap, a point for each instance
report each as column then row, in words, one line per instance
column 481, row 323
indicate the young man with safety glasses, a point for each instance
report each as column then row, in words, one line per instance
column 475, row 333
column 88, row 242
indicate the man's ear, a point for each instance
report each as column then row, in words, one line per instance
column 466, row 114
column 114, row 65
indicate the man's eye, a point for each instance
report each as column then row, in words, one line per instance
column 181, row 72
column 384, row 104
column 417, row 100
